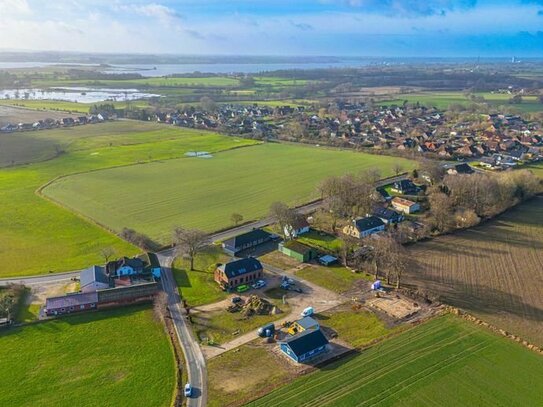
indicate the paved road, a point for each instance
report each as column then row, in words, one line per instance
column 194, row 357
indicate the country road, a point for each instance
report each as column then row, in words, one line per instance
column 197, row 375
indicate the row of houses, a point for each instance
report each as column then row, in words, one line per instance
column 55, row 123
column 119, row 282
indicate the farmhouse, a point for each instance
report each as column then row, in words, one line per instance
column 405, row 205
column 237, row 272
column 302, row 325
column 67, row 304
column 364, row 227
column 304, row 345
column 244, row 241
column 296, row 228
column 93, row 278
column 297, row 251
column 388, row 216
column 125, row 267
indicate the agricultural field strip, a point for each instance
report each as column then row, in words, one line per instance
column 354, row 381
column 165, row 204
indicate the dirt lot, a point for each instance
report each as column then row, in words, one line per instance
column 11, row 114
column 494, row 271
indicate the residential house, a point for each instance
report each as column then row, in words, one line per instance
column 125, row 267
column 238, row 272
column 297, row 251
column 302, row 325
column 405, row 187
column 460, row 169
column 364, row 227
column 405, row 205
column 388, row 216
column 245, row 241
column 297, row 227
column 305, row 345
column 93, row 278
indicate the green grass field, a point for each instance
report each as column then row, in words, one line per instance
column 120, row 357
column 37, row 236
column 198, row 287
column 67, row 106
column 203, row 193
column 358, row 328
column 442, row 100
column 444, row 362
column 335, row 278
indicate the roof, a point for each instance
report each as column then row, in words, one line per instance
column 93, row 274
column 463, row 169
column 297, row 247
column 249, row 237
column 328, row 258
column 306, row 341
column 404, row 184
column 401, row 201
column 385, row 213
column 72, row 300
column 299, row 223
column 368, row 223
column 307, row 322
column 239, row 267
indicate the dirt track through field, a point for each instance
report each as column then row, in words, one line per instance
column 494, row 271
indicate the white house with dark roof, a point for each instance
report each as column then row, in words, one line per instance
column 92, row 279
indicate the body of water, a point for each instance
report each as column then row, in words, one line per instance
column 75, row 94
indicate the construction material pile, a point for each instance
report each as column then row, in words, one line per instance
column 256, row 305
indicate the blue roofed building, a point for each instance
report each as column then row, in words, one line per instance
column 305, row 345
column 388, row 216
column 364, row 227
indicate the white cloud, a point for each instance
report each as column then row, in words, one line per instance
column 14, row 7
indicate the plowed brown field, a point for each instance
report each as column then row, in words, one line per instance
column 494, row 271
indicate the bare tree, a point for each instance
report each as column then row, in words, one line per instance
column 208, row 104
column 236, row 218
column 441, row 207
column 160, row 306
column 190, row 242
column 348, row 245
column 107, row 253
column 433, row 169
column 397, row 168
column 284, row 215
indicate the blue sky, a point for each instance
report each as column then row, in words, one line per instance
column 277, row 27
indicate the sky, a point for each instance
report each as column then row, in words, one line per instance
column 389, row 28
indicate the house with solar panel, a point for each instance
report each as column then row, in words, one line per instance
column 238, row 272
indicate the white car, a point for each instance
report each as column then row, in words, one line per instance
column 188, row 390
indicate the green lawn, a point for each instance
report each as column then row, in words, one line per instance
column 444, row 362
column 357, row 327
column 67, row 106
column 203, row 193
column 321, row 240
column 335, row 278
column 120, row 357
column 37, row 235
column 442, row 100
column 197, row 287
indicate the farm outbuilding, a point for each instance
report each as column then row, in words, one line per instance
column 245, row 241
column 297, row 251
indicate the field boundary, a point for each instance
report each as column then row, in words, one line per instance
column 493, row 328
